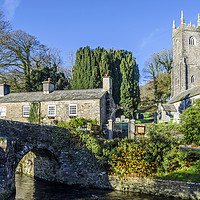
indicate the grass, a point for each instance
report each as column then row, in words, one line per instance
column 148, row 118
column 143, row 121
column 189, row 174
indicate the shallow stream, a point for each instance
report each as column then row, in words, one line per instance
column 28, row 188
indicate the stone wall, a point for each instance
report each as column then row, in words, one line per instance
column 89, row 109
column 186, row 62
column 181, row 189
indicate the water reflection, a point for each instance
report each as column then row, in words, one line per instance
column 25, row 187
column 29, row 189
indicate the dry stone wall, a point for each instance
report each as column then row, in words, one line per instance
column 179, row 189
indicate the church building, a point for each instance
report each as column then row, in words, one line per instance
column 185, row 78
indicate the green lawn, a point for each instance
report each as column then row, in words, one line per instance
column 144, row 121
column 190, row 174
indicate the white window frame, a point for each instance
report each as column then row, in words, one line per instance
column 25, row 113
column 53, row 114
column 72, row 114
column 2, row 111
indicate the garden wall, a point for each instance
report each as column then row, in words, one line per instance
column 182, row 189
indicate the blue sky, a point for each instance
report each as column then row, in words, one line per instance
column 143, row 27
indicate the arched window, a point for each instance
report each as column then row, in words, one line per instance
column 192, row 79
column 192, row 41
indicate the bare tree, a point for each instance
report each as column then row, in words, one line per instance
column 21, row 49
column 72, row 62
column 158, row 69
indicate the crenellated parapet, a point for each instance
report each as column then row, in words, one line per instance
column 186, row 60
column 189, row 27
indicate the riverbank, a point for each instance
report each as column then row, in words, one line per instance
column 30, row 188
column 158, row 187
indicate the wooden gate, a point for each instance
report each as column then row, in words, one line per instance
column 120, row 130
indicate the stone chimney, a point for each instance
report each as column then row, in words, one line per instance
column 107, row 84
column 4, row 89
column 48, row 86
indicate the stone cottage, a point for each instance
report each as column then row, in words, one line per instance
column 185, row 78
column 57, row 105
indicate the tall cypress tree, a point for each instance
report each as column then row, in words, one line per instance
column 87, row 67
column 92, row 65
column 95, row 78
column 77, row 71
column 129, row 92
column 126, row 87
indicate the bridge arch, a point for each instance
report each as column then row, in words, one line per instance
column 40, row 163
column 54, row 146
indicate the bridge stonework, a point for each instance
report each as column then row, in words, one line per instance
column 56, row 158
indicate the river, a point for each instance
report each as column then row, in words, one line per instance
column 28, row 188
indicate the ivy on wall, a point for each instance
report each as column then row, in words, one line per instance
column 34, row 113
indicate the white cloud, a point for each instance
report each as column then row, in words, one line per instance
column 9, row 8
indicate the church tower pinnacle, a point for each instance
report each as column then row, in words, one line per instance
column 182, row 18
column 174, row 26
column 198, row 22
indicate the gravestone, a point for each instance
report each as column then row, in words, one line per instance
column 155, row 115
column 122, row 118
column 117, row 119
column 126, row 120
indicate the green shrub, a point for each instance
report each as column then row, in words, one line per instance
column 77, row 122
column 152, row 156
column 34, row 114
column 165, row 129
column 2, row 139
column 190, row 120
column 175, row 158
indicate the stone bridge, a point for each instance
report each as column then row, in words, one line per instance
column 56, row 157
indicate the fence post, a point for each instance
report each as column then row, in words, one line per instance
column 131, row 128
column 110, row 129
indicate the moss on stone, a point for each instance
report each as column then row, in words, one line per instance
column 2, row 139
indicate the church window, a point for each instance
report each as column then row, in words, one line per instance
column 192, row 79
column 192, row 40
column 2, row 111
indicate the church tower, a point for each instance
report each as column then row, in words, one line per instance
column 186, row 56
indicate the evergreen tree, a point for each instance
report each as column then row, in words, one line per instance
column 77, row 71
column 92, row 65
column 39, row 75
column 127, row 86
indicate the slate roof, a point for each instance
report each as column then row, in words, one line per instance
column 56, row 95
column 169, row 107
column 185, row 95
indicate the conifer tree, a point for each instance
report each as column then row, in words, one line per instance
column 126, row 89
column 92, row 65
